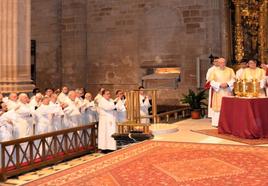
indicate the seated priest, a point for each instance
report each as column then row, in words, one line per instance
column 221, row 80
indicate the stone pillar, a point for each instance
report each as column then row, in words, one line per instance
column 15, row 46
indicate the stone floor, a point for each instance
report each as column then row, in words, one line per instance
column 184, row 134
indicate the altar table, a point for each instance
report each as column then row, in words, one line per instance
column 244, row 117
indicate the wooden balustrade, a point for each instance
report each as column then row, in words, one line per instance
column 25, row 154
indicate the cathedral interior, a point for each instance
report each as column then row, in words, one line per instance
column 163, row 45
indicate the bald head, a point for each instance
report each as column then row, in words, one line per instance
column 88, row 96
column 38, row 97
column 23, row 98
column 72, row 95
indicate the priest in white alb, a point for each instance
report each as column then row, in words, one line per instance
column 144, row 105
column 58, row 114
column 24, row 126
column 43, row 117
column 221, row 80
column 210, row 70
column 72, row 113
column 243, row 66
column 107, row 122
column 89, row 110
column 255, row 73
column 120, row 104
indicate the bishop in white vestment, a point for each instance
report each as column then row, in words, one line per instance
column 222, row 80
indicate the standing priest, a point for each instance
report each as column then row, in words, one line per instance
column 107, row 122
column 221, row 80
column 209, row 72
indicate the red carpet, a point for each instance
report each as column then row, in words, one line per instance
column 170, row 163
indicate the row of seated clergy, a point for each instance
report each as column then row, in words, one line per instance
column 49, row 115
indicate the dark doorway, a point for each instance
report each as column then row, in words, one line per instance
column 33, row 61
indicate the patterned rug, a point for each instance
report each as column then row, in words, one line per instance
column 170, row 163
column 214, row 132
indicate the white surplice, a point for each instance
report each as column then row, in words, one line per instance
column 24, row 126
column 43, row 116
column 210, row 110
column 6, row 130
column 63, row 98
column 107, row 125
column 34, row 104
column 12, row 104
column 6, row 125
column 58, row 115
column 144, row 108
column 121, row 111
column 89, row 112
column 72, row 113
column 239, row 74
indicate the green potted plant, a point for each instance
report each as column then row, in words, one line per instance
column 195, row 101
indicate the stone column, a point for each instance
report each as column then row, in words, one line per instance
column 15, row 74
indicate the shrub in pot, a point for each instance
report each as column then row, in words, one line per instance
column 195, row 101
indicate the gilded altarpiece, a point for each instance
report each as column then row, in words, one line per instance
column 250, row 29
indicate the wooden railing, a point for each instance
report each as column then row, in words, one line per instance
column 25, row 154
column 126, row 127
column 177, row 114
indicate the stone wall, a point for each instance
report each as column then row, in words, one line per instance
column 112, row 43
column 45, row 29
